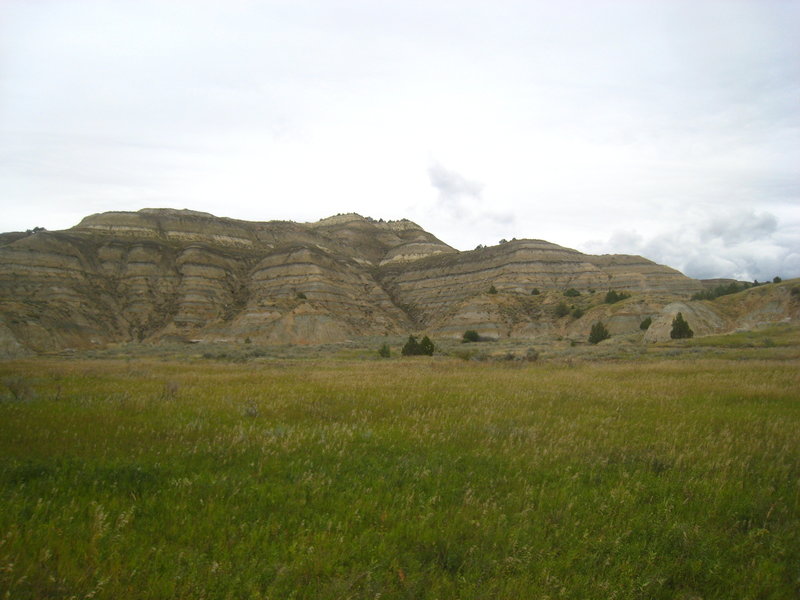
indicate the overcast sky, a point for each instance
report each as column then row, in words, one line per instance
column 664, row 128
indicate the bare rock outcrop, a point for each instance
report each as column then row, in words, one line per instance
column 430, row 287
column 161, row 274
column 746, row 310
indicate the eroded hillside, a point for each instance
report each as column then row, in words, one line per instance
column 162, row 274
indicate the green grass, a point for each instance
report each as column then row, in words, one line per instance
column 415, row 478
column 780, row 334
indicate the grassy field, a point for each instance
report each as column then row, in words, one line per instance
column 413, row 478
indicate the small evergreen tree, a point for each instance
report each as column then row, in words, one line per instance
column 776, row 279
column 645, row 325
column 598, row 333
column 680, row 328
column 492, row 290
column 535, row 292
column 613, row 296
column 572, row 293
column 414, row 348
column 426, row 346
column 411, row 347
column 562, row 310
column 577, row 313
column 722, row 290
column 470, row 335
column 384, row 351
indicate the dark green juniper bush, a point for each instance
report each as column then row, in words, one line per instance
column 614, row 296
column 680, row 328
column 470, row 335
column 418, row 348
column 598, row 333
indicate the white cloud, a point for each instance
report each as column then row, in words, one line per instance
column 460, row 206
column 739, row 228
column 743, row 245
column 565, row 121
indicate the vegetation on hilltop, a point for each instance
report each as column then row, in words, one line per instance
column 733, row 287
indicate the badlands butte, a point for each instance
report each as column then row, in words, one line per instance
column 163, row 275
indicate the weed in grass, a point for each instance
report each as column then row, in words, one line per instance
column 170, row 391
column 19, row 387
column 251, row 410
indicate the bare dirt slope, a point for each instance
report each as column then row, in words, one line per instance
column 163, row 274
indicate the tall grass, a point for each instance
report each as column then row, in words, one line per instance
column 400, row 479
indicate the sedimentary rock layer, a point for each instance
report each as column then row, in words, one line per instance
column 162, row 274
column 431, row 287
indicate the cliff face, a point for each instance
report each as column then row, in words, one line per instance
column 438, row 290
column 160, row 274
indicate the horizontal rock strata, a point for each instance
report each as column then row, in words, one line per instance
column 163, row 274
column 431, row 287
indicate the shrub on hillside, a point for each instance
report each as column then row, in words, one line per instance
column 723, row 290
column 680, row 328
column 645, row 325
column 426, row 346
column 572, row 293
column 614, row 296
column 598, row 333
column 411, row 347
column 562, row 310
column 417, row 348
column 470, row 335
column 384, row 351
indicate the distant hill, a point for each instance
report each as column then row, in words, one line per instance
column 163, row 274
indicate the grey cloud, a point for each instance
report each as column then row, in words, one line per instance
column 461, row 200
column 705, row 266
column 740, row 227
column 741, row 245
column 456, row 193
